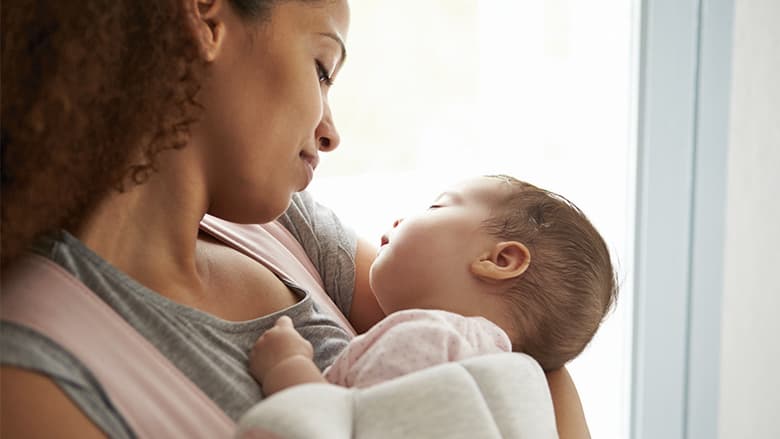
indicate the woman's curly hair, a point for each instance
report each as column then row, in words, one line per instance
column 91, row 93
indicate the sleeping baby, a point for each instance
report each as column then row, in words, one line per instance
column 494, row 265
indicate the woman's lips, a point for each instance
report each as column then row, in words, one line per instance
column 312, row 159
column 310, row 162
column 309, row 172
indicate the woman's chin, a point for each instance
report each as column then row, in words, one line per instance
column 251, row 213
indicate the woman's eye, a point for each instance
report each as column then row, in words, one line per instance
column 435, row 206
column 322, row 74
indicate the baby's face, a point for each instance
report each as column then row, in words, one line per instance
column 424, row 259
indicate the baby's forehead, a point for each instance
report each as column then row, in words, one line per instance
column 483, row 189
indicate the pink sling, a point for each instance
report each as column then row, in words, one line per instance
column 39, row 294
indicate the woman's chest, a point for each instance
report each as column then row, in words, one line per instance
column 238, row 287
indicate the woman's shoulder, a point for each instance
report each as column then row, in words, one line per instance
column 306, row 218
column 25, row 349
column 329, row 244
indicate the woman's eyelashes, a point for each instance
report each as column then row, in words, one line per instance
column 322, row 74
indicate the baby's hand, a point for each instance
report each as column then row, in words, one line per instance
column 276, row 345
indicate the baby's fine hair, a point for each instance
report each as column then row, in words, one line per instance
column 559, row 302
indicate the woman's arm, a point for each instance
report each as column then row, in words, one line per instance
column 569, row 416
column 32, row 406
column 365, row 311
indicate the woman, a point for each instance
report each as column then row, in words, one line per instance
column 124, row 122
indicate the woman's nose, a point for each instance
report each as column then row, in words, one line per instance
column 397, row 222
column 326, row 135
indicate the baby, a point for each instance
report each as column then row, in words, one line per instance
column 494, row 265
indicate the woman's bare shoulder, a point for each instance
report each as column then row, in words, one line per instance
column 32, row 405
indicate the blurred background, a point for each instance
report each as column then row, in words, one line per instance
column 628, row 109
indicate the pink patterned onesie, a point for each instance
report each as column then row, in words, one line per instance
column 410, row 340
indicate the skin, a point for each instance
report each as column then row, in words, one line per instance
column 237, row 165
column 442, row 259
column 249, row 178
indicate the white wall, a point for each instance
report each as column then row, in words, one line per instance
column 750, row 354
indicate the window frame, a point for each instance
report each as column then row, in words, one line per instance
column 682, row 146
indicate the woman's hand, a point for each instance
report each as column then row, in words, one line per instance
column 281, row 358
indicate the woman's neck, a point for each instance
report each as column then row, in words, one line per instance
column 150, row 231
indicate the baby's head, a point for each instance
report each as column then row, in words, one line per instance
column 558, row 303
column 525, row 258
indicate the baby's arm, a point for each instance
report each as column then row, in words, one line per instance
column 281, row 358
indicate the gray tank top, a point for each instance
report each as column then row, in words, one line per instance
column 210, row 351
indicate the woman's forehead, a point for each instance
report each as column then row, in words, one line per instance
column 331, row 16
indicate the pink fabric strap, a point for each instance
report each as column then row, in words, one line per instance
column 153, row 396
column 275, row 247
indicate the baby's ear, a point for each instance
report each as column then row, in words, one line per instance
column 507, row 260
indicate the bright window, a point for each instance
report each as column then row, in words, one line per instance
column 436, row 91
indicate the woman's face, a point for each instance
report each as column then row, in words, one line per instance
column 266, row 114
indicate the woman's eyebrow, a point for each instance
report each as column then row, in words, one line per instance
column 337, row 39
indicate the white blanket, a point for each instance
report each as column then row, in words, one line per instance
column 494, row 396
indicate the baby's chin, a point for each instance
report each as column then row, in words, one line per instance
column 376, row 271
column 377, row 287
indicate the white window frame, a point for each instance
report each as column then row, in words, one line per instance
column 682, row 144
